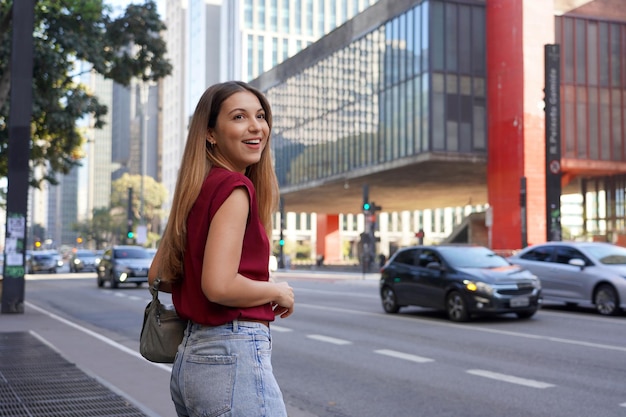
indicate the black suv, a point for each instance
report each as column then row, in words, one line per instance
column 460, row 280
column 124, row 264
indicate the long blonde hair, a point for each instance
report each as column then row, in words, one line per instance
column 196, row 162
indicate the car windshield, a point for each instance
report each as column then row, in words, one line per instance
column 131, row 254
column 473, row 257
column 608, row 254
column 85, row 254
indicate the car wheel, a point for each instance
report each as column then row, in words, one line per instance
column 606, row 300
column 456, row 307
column 112, row 281
column 390, row 302
column 525, row 314
column 100, row 281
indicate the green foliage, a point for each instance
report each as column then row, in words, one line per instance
column 154, row 194
column 110, row 226
column 66, row 33
column 103, row 228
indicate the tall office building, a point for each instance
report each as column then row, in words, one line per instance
column 174, row 115
column 98, row 151
column 209, row 41
column 260, row 34
column 62, row 209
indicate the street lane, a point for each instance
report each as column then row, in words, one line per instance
column 341, row 355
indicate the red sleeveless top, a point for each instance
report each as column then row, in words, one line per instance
column 187, row 294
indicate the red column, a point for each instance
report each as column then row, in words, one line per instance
column 517, row 31
column 328, row 241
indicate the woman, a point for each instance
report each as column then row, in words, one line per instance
column 214, row 258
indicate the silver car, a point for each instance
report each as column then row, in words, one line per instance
column 585, row 273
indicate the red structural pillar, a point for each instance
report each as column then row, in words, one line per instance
column 517, row 31
column 328, row 243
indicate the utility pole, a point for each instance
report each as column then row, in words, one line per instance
column 281, row 241
column 20, row 116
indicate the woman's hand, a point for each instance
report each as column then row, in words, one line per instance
column 284, row 302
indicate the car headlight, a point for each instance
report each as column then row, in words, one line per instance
column 478, row 286
column 121, row 269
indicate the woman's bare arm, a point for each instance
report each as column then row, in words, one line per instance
column 154, row 272
column 221, row 282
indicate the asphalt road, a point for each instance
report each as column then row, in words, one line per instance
column 340, row 355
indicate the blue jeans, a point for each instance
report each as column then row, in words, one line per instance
column 226, row 371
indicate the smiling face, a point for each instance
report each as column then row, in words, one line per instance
column 241, row 131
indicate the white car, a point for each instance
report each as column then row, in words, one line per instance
column 273, row 266
column 585, row 273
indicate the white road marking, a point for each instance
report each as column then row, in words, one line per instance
column 405, row 356
column 510, row 378
column 469, row 327
column 281, row 329
column 97, row 336
column 329, row 339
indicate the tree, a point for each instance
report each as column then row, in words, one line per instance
column 68, row 32
column 154, row 195
column 103, row 228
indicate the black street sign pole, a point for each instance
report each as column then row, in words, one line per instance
column 552, row 100
column 523, row 215
column 20, row 116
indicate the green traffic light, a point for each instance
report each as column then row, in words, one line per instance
column 366, row 206
column 131, row 235
column 281, row 242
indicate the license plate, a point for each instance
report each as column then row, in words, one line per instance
column 520, row 302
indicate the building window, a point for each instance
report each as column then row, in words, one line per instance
column 247, row 14
column 274, row 15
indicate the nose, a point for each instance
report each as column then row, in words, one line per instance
column 255, row 125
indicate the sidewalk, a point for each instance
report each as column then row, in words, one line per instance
column 53, row 367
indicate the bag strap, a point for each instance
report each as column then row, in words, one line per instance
column 154, row 288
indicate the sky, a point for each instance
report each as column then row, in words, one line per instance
column 120, row 5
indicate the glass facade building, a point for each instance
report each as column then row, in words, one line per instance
column 412, row 84
column 593, row 87
column 408, row 79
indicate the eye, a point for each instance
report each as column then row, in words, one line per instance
column 260, row 116
column 238, row 116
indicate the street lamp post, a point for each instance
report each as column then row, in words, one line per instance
column 145, row 90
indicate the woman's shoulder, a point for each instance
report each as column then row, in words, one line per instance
column 222, row 176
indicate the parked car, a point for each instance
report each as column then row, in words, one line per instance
column 585, row 273
column 124, row 264
column 462, row 280
column 43, row 261
column 273, row 264
column 84, row 260
column 152, row 252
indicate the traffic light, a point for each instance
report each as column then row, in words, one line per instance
column 281, row 242
column 366, row 198
column 79, row 240
column 130, row 234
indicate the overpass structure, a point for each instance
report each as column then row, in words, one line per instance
column 440, row 103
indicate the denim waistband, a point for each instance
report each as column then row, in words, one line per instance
column 234, row 325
